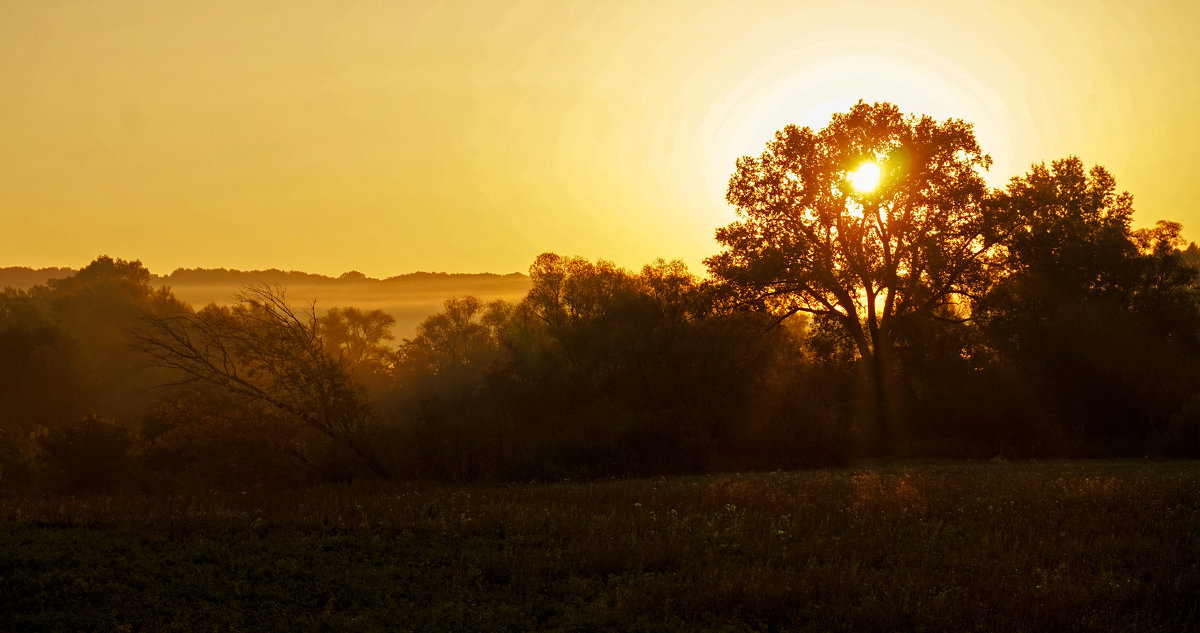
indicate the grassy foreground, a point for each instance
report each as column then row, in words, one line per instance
column 1068, row 546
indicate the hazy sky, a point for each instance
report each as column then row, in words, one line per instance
column 389, row 136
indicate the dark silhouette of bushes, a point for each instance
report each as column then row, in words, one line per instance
column 91, row 455
column 599, row 372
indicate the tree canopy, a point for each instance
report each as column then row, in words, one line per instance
column 1100, row 318
column 918, row 243
column 808, row 241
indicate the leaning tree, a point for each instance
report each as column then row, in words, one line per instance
column 271, row 355
column 869, row 223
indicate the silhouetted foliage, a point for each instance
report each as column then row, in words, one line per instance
column 43, row 380
column 1099, row 321
column 360, row 340
column 269, row 355
column 91, row 455
column 597, row 372
column 610, row 372
column 920, row 245
column 66, row 354
column 92, row 312
column 456, row 427
column 205, row 437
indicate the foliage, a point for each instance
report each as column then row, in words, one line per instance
column 43, row 380
column 1103, row 320
column 601, row 372
column 65, row 354
column 197, row 438
column 71, row 338
column 267, row 354
column 649, row 363
column 919, row 245
column 92, row 455
column 454, row 347
column 360, row 340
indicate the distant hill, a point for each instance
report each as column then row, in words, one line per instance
column 23, row 278
column 409, row 298
column 193, row 276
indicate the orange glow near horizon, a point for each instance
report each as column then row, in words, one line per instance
column 470, row 136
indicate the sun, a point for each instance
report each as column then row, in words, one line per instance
column 866, row 177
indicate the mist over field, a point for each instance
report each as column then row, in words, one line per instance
column 407, row 298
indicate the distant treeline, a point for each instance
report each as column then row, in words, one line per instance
column 406, row 298
column 22, row 277
column 276, row 276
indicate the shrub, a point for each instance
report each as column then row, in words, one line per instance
column 91, row 455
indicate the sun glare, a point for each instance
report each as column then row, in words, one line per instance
column 866, row 177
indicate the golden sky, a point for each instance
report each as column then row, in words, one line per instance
column 388, row 137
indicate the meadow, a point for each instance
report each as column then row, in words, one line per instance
column 962, row 546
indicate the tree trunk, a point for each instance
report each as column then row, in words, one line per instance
column 878, row 396
column 882, row 404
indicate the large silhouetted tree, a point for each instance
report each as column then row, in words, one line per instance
column 916, row 245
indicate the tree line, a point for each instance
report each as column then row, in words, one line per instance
column 923, row 316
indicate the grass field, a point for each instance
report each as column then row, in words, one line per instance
column 1050, row 546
